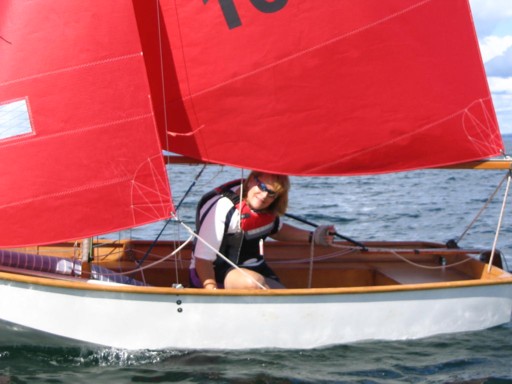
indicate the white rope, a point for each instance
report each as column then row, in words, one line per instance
column 395, row 253
column 318, row 258
column 221, row 255
column 491, row 259
column 140, row 269
column 241, row 197
column 349, row 250
column 489, row 200
column 162, row 74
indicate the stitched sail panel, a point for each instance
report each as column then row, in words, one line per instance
column 328, row 87
column 82, row 157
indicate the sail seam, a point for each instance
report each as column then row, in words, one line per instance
column 483, row 142
column 73, row 68
column 461, row 112
column 68, row 192
column 311, row 49
column 141, row 189
column 83, row 129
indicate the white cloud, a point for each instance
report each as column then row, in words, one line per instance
column 500, row 65
column 491, row 8
column 493, row 23
column 503, row 106
column 493, row 46
column 500, row 84
column 501, row 89
column 492, row 17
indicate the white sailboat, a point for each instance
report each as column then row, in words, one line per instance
column 95, row 91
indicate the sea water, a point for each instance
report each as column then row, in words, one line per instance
column 433, row 205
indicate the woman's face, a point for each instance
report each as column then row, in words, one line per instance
column 260, row 194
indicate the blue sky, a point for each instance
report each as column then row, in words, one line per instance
column 493, row 21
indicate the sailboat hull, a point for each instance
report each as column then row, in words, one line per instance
column 161, row 318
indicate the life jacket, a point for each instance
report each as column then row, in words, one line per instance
column 242, row 245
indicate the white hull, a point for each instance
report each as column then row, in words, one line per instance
column 158, row 318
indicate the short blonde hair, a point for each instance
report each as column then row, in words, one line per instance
column 279, row 183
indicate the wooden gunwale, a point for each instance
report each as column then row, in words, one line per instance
column 495, row 277
column 490, row 164
column 379, row 260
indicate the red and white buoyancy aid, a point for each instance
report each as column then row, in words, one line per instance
column 242, row 245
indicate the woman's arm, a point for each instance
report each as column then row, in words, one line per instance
column 204, row 269
column 291, row 233
column 323, row 235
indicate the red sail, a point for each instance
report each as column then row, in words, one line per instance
column 87, row 158
column 325, row 87
column 329, row 87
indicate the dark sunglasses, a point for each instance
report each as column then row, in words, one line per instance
column 263, row 188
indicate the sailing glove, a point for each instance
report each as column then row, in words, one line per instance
column 323, row 235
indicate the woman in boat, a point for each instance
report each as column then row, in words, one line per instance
column 236, row 228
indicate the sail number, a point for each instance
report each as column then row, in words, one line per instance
column 232, row 17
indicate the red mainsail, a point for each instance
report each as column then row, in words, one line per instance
column 329, row 87
column 91, row 91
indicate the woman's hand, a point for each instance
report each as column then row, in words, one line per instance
column 324, row 235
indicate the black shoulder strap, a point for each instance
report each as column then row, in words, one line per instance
column 221, row 191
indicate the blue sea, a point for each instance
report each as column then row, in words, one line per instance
column 434, row 205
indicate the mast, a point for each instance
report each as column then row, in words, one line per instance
column 86, row 258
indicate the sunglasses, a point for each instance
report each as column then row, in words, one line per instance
column 263, row 188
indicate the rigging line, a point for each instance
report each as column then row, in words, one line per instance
column 329, row 256
column 426, row 266
column 241, row 198
column 221, row 255
column 178, row 260
column 489, row 200
column 187, row 84
column 491, row 259
column 192, row 185
column 4, row 39
column 162, row 74
column 156, row 262
column 101, row 246
column 173, row 216
column 395, row 253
